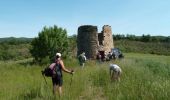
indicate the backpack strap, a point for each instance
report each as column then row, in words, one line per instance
column 57, row 69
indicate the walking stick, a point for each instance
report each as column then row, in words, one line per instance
column 44, row 77
column 70, row 85
column 71, row 80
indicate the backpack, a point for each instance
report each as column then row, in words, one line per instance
column 50, row 72
column 82, row 58
column 47, row 72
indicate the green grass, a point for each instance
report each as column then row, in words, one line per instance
column 160, row 48
column 144, row 77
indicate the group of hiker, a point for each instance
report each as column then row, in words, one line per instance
column 56, row 68
column 101, row 57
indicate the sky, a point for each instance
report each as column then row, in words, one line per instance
column 26, row 18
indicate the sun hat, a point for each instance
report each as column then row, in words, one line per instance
column 58, row 54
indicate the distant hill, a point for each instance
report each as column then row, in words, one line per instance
column 143, row 38
column 15, row 40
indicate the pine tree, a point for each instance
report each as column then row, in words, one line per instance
column 49, row 41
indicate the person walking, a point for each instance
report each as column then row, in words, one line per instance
column 82, row 59
column 57, row 77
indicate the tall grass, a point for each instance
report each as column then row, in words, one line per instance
column 144, row 77
column 160, row 48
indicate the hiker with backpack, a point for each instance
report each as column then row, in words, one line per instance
column 57, row 78
column 82, row 59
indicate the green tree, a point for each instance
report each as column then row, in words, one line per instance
column 72, row 45
column 145, row 38
column 131, row 37
column 49, row 41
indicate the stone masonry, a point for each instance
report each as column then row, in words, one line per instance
column 90, row 41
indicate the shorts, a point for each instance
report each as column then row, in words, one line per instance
column 57, row 81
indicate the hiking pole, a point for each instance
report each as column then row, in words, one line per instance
column 70, row 85
column 72, row 71
column 44, row 77
column 71, row 80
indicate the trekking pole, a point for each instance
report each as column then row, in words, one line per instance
column 44, row 78
column 70, row 85
column 71, row 80
column 71, row 77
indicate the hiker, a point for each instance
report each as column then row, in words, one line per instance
column 105, row 56
column 115, row 72
column 57, row 77
column 82, row 59
column 99, row 57
column 109, row 56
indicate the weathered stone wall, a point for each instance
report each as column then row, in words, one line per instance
column 87, row 40
column 107, row 38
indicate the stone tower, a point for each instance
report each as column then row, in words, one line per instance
column 107, row 42
column 87, row 40
column 90, row 41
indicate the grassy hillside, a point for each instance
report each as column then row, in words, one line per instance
column 14, row 52
column 144, row 77
column 14, row 48
column 160, row 48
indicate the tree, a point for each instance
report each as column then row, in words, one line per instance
column 131, row 37
column 49, row 41
column 72, row 45
column 145, row 38
column 118, row 36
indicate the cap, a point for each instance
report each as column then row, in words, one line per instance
column 58, row 54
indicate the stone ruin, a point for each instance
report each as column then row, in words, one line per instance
column 91, row 42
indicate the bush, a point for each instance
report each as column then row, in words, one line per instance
column 49, row 41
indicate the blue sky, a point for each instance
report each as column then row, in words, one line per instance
column 25, row 18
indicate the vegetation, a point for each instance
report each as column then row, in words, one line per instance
column 49, row 41
column 14, row 48
column 15, row 41
column 144, row 77
column 162, row 48
column 143, row 38
column 72, row 48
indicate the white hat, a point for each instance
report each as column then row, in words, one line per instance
column 58, row 54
